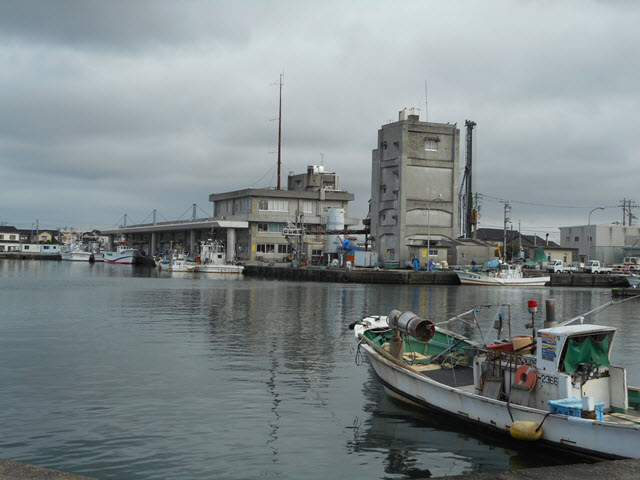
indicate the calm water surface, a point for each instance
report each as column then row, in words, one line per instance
column 126, row 373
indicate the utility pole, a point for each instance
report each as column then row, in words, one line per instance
column 627, row 214
column 470, row 218
column 507, row 219
column 519, row 237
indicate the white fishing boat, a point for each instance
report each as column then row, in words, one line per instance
column 182, row 264
column 76, row 252
column 123, row 255
column 559, row 389
column 506, row 274
column 213, row 259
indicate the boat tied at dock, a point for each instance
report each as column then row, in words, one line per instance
column 556, row 386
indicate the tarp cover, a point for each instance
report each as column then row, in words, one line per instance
column 539, row 255
column 585, row 352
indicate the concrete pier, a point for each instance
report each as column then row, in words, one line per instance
column 615, row 469
column 10, row 470
column 343, row 275
column 587, row 280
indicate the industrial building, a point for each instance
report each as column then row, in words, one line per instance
column 607, row 243
column 272, row 213
column 252, row 223
column 414, row 190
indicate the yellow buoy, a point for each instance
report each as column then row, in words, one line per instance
column 525, row 431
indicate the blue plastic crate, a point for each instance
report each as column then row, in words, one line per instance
column 572, row 407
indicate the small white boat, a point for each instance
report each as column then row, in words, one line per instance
column 76, row 252
column 506, row 275
column 182, row 264
column 123, row 256
column 213, row 259
column 566, row 394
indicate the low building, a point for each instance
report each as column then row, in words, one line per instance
column 607, row 243
column 526, row 243
column 270, row 213
column 9, row 239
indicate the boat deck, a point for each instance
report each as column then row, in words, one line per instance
column 462, row 378
column 623, row 418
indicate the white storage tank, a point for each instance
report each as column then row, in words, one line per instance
column 335, row 221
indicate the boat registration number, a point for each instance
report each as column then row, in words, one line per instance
column 549, row 380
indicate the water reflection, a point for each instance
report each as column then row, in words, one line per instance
column 418, row 443
column 123, row 372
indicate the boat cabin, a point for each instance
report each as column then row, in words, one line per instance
column 569, row 361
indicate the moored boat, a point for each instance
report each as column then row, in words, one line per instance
column 182, row 264
column 77, row 253
column 507, row 274
column 213, row 259
column 123, row 256
column 559, row 389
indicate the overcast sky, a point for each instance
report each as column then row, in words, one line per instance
column 111, row 107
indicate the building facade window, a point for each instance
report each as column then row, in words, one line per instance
column 431, row 145
column 271, row 227
column 242, row 205
column 284, row 248
column 577, row 239
column 265, row 248
column 273, row 205
column 307, row 206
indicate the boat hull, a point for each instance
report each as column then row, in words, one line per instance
column 234, row 269
column 594, row 438
column 124, row 257
column 472, row 278
column 78, row 257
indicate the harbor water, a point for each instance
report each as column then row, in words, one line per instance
column 121, row 372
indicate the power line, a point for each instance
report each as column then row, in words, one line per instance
column 484, row 195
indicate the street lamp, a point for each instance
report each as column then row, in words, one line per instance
column 437, row 199
column 589, row 232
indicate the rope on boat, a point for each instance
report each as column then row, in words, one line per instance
column 457, row 317
column 596, row 310
column 324, row 351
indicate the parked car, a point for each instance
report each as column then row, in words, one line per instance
column 593, row 266
column 558, row 266
column 628, row 264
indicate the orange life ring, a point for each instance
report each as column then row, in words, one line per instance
column 527, row 376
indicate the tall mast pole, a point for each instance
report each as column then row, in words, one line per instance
column 280, row 132
column 468, row 171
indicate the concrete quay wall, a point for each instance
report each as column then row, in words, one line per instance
column 587, row 280
column 30, row 256
column 18, row 470
column 409, row 277
column 358, row 275
column 614, row 469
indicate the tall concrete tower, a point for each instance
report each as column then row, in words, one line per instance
column 414, row 189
